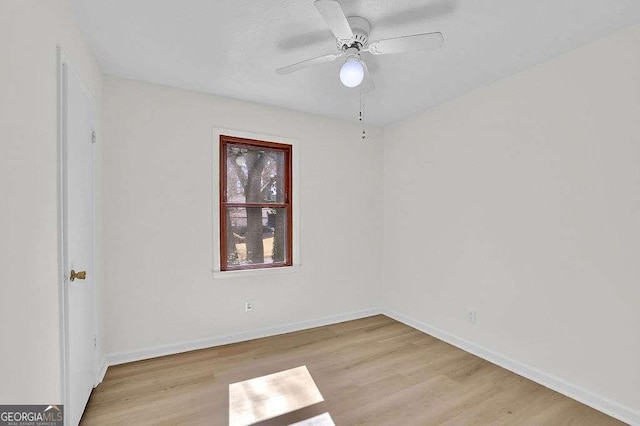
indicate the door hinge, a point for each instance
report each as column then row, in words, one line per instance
column 93, row 136
column 95, row 342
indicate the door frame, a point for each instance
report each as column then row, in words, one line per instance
column 61, row 62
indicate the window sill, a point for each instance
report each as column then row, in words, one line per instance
column 223, row 275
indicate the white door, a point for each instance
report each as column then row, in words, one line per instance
column 78, row 120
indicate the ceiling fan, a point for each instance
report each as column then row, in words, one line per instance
column 352, row 38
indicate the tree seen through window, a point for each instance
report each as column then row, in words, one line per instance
column 255, row 204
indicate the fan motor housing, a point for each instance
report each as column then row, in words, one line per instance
column 361, row 29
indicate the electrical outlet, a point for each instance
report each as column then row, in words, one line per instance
column 248, row 306
column 472, row 316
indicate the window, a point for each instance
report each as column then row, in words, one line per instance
column 255, row 204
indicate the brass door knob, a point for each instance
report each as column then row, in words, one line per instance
column 82, row 275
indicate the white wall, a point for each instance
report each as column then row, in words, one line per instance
column 158, row 212
column 522, row 200
column 29, row 311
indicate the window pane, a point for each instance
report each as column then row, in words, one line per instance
column 256, row 236
column 255, row 175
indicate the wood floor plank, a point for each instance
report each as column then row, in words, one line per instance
column 373, row 371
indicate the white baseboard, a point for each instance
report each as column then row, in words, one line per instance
column 176, row 348
column 102, row 371
column 587, row 397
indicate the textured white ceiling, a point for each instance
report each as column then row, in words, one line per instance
column 232, row 47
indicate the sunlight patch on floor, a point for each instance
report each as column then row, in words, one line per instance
column 323, row 419
column 273, row 395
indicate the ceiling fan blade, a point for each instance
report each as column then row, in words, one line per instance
column 428, row 41
column 367, row 82
column 309, row 62
column 335, row 18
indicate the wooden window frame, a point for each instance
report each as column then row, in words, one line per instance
column 287, row 149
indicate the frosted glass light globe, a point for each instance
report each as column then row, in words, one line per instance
column 352, row 73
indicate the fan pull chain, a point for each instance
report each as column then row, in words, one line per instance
column 364, row 134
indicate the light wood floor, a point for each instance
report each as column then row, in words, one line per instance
column 370, row 371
